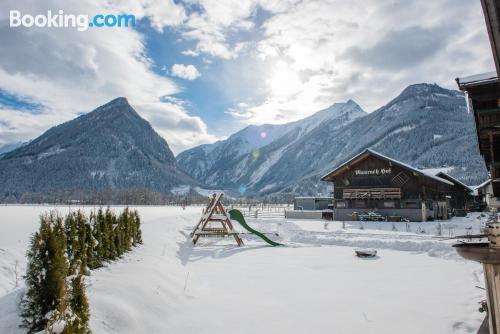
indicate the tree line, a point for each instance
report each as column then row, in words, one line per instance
column 104, row 197
column 60, row 255
column 142, row 197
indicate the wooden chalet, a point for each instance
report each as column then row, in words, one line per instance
column 484, row 195
column 462, row 196
column 371, row 181
column 483, row 96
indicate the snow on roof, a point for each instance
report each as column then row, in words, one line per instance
column 481, row 185
column 455, row 180
column 394, row 161
column 436, row 170
column 478, row 79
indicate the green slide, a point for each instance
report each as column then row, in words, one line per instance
column 238, row 216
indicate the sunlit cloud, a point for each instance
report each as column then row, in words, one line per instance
column 330, row 51
column 71, row 72
column 188, row 72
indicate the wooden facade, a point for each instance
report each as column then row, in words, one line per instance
column 483, row 95
column 373, row 182
column 491, row 11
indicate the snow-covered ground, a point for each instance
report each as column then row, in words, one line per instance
column 417, row 284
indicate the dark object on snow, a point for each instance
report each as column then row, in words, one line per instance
column 365, row 252
column 327, row 214
column 483, row 306
column 371, row 216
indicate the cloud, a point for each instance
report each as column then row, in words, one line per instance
column 180, row 130
column 71, row 72
column 322, row 52
column 216, row 25
column 161, row 13
column 404, row 48
column 190, row 53
column 276, row 61
column 188, row 72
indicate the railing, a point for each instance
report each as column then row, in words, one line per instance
column 379, row 193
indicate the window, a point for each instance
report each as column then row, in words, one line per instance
column 412, row 205
column 389, row 204
column 359, row 204
column 341, row 204
column 400, row 179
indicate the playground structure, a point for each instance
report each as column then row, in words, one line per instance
column 215, row 214
column 216, row 222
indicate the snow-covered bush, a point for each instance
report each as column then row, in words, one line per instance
column 48, row 303
column 60, row 256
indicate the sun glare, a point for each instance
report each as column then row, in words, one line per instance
column 284, row 81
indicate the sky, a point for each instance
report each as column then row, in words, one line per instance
column 199, row 70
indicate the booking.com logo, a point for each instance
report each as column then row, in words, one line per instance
column 61, row 20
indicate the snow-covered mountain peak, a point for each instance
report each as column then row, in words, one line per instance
column 112, row 142
column 421, row 126
column 425, row 90
column 341, row 111
column 209, row 162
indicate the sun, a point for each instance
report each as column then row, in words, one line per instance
column 284, row 81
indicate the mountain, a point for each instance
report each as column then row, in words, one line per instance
column 244, row 159
column 425, row 126
column 111, row 147
column 9, row 147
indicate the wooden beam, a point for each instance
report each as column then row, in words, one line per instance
column 491, row 16
column 492, row 155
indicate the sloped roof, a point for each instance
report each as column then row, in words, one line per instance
column 369, row 151
column 482, row 184
column 454, row 180
column 478, row 79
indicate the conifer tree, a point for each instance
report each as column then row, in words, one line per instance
column 97, row 231
column 80, row 306
column 71, row 237
column 90, row 247
column 110, row 234
column 33, row 310
column 133, row 229
column 58, row 291
column 137, row 228
column 81, row 222
column 105, row 235
column 129, row 228
column 79, row 303
column 118, row 235
column 46, row 300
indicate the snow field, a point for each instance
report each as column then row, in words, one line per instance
column 417, row 284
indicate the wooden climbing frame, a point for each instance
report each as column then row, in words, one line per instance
column 215, row 214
